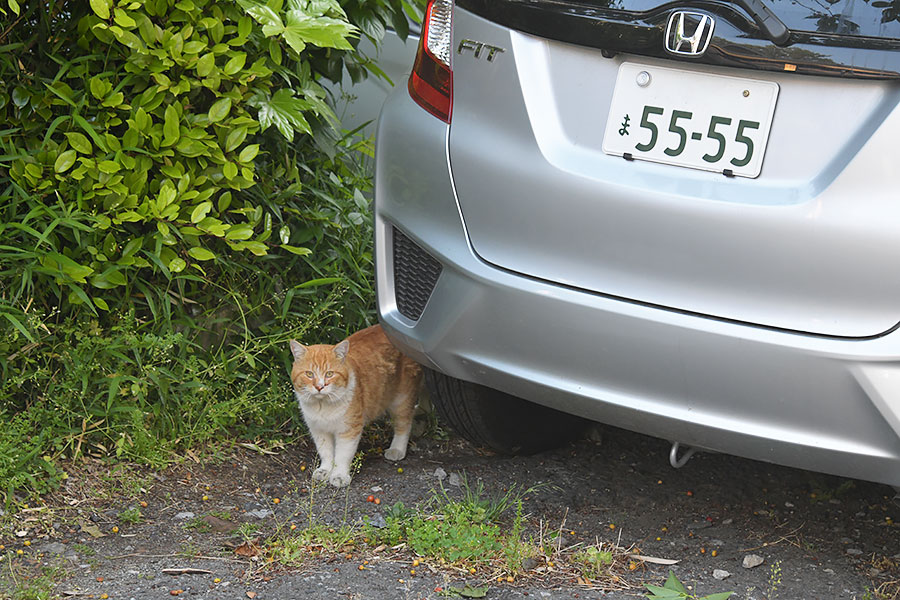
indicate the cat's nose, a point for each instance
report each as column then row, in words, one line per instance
column 318, row 387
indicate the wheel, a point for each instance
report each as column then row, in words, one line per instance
column 497, row 420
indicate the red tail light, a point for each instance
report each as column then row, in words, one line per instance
column 431, row 80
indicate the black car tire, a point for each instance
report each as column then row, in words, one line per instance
column 499, row 421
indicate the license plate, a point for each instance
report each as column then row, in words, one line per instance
column 696, row 120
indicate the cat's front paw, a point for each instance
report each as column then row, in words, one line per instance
column 339, row 480
column 394, row 454
column 321, row 474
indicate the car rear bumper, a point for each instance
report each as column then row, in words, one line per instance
column 823, row 404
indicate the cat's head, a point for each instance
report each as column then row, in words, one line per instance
column 320, row 372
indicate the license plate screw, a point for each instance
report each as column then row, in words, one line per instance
column 643, row 79
column 746, row 93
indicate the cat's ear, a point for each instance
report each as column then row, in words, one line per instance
column 341, row 349
column 297, row 349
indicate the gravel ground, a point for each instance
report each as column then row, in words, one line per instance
column 813, row 536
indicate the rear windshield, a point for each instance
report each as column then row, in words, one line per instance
column 869, row 18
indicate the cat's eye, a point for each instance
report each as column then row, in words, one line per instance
column 310, row 374
column 329, row 374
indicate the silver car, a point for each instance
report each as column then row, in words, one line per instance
column 678, row 218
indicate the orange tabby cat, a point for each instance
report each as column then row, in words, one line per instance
column 341, row 388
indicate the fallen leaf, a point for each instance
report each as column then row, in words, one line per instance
column 654, row 559
column 255, row 448
column 93, row 530
column 249, row 548
column 186, row 571
column 219, row 525
column 380, row 548
column 251, row 595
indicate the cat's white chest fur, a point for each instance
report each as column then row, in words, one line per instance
column 326, row 414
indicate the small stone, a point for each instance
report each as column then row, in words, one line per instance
column 440, row 473
column 727, row 521
column 789, row 505
column 719, row 574
column 753, row 560
column 260, row 513
column 377, row 521
column 377, row 488
column 530, row 563
column 854, row 551
column 182, row 516
column 54, row 548
column 455, row 479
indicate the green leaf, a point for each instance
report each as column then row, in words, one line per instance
column 75, row 271
column 319, row 282
column 230, row 170
column 297, row 250
column 284, row 111
column 257, row 248
column 284, row 234
column 123, row 19
column 235, row 138
column 206, row 64
column 64, row 161
column 20, row 97
column 200, row 211
column 219, row 110
column 109, row 166
column 199, row 253
column 325, row 32
column 243, row 231
column 101, row 8
column 235, row 64
column 101, row 304
column 672, row 583
column 249, row 153
column 170, row 126
column 79, row 142
column 660, row 593
column 18, row 325
column 264, row 15
column 719, row 596
column 177, row 265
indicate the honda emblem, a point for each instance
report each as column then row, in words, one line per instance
column 688, row 33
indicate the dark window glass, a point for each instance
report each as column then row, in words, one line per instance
column 869, row 18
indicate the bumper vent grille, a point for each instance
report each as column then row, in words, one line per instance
column 415, row 274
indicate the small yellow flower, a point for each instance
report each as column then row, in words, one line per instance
column 217, row 580
column 412, row 571
column 302, row 467
column 612, row 525
column 472, row 570
column 293, row 527
column 115, row 529
column 715, row 552
column 632, row 566
column 362, row 567
column 509, row 578
column 104, row 596
column 205, row 498
column 27, row 543
column 20, row 552
column 658, row 538
column 416, row 562
column 276, row 500
column 399, row 469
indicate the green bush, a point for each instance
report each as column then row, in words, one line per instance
column 175, row 203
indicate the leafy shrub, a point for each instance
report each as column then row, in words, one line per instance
column 174, row 205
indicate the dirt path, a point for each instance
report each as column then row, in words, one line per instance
column 817, row 536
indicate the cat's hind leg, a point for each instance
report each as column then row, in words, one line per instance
column 401, row 411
